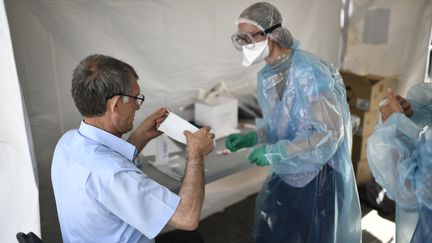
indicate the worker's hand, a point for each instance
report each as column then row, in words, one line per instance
column 391, row 106
column 199, row 143
column 258, row 156
column 237, row 141
column 405, row 105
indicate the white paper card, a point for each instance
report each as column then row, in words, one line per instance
column 174, row 126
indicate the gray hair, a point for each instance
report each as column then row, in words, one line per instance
column 98, row 78
column 265, row 15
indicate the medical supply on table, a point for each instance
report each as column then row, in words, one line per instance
column 173, row 166
column 219, row 113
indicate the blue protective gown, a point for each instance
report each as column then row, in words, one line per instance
column 310, row 194
column 423, row 188
column 399, row 162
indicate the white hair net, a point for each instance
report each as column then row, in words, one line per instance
column 264, row 15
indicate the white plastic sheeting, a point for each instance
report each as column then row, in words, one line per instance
column 19, row 204
column 403, row 52
column 175, row 46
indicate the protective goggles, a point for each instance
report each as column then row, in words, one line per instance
column 246, row 39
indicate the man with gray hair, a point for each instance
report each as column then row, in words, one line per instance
column 101, row 196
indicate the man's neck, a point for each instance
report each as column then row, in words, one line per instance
column 103, row 123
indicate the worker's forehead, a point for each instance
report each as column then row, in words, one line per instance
column 246, row 27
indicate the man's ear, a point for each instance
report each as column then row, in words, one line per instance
column 112, row 103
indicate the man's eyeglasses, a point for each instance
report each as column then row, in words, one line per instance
column 246, row 39
column 139, row 98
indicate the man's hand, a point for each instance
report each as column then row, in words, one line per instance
column 199, row 143
column 258, row 156
column 149, row 126
column 391, row 106
column 147, row 130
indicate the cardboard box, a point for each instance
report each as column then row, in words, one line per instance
column 221, row 114
column 359, row 148
column 368, row 121
column 365, row 92
column 362, row 171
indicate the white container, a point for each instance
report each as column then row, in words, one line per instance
column 221, row 115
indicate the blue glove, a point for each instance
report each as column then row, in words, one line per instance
column 258, row 156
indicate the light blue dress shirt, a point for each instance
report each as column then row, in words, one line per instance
column 100, row 194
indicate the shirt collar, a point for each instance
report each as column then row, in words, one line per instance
column 109, row 140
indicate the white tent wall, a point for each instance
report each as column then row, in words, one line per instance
column 404, row 53
column 19, row 204
column 175, row 47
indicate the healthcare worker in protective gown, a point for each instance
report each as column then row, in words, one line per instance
column 310, row 194
column 400, row 158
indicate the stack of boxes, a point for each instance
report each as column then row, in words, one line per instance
column 364, row 93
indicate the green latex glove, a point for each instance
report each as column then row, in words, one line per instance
column 258, row 156
column 237, row 141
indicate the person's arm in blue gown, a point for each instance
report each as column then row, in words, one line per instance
column 391, row 147
column 423, row 176
column 311, row 149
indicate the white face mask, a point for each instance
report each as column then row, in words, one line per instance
column 255, row 54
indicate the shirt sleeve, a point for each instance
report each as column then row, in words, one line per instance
column 314, row 147
column 391, row 158
column 423, row 175
column 140, row 201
